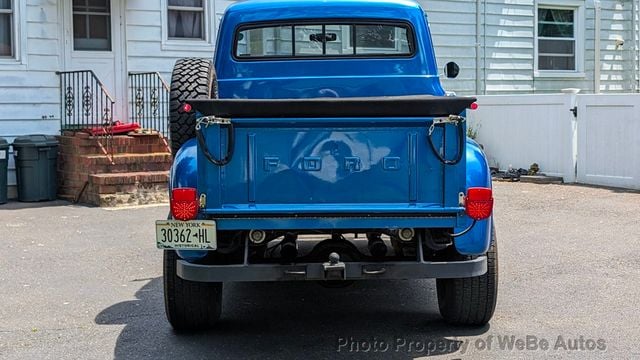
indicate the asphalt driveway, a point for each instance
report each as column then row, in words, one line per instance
column 78, row 282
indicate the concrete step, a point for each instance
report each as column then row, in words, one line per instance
column 129, row 178
column 126, row 189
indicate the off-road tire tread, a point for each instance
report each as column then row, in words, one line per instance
column 189, row 305
column 192, row 78
column 472, row 300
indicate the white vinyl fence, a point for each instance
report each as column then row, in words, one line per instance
column 598, row 145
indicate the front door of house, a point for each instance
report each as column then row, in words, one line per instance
column 93, row 40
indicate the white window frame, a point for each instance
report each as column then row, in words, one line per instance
column 579, row 35
column 179, row 44
column 18, row 37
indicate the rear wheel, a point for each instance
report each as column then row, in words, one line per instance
column 192, row 78
column 189, row 305
column 472, row 300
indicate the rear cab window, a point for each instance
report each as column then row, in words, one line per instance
column 323, row 40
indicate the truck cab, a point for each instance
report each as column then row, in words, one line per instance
column 319, row 145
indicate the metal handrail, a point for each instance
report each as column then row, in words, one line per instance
column 86, row 105
column 156, row 73
column 149, row 101
column 94, row 77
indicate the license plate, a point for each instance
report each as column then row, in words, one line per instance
column 186, row 235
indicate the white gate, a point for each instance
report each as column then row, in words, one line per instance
column 518, row 130
column 609, row 140
column 599, row 146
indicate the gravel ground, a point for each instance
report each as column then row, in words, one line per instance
column 78, row 282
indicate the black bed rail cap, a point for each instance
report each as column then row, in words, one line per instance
column 356, row 107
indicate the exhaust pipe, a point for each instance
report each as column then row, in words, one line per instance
column 377, row 247
column 405, row 234
column 257, row 237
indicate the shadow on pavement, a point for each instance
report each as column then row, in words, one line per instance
column 17, row 205
column 294, row 320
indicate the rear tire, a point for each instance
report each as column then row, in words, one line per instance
column 189, row 305
column 192, row 78
column 472, row 300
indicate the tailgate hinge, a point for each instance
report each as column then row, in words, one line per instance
column 211, row 120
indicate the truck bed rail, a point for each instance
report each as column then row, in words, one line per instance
column 357, row 107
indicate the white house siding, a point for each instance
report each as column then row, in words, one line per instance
column 147, row 47
column 507, row 33
column 453, row 29
column 29, row 87
column 636, row 31
column 506, row 45
column 617, row 64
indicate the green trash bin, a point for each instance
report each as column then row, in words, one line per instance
column 36, row 158
column 4, row 163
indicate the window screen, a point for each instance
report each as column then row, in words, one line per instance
column 556, row 39
column 186, row 19
column 92, row 25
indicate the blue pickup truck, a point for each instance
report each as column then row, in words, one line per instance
column 319, row 145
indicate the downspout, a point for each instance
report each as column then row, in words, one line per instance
column 635, row 26
column 596, row 73
column 484, row 48
column 478, row 47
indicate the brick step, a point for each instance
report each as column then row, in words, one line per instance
column 85, row 144
column 127, row 158
column 96, row 164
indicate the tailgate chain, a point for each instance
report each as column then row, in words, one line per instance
column 456, row 120
column 206, row 121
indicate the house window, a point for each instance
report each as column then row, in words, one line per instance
column 91, row 25
column 186, row 19
column 557, row 39
column 6, row 28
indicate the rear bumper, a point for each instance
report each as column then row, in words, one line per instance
column 316, row 271
column 373, row 220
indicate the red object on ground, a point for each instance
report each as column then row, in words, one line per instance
column 117, row 128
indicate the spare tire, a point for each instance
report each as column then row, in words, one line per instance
column 192, row 78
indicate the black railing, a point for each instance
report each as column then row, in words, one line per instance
column 149, row 101
column 86, row 106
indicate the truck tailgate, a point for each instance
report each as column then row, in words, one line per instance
column 327, row 164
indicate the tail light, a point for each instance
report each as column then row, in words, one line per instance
column 479, row 203
column 184, row 203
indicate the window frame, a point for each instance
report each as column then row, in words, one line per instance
column 12, row 37
column 18, row 59
column 189, row 44
column 411, row 36
column 578, row 36
column 87, row 14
